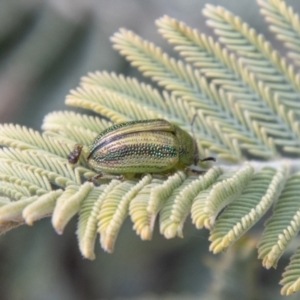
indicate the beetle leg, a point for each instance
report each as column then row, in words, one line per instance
column 94, row 178
column 106, row 176
column 120, row 177
column 189, row 170
column 208, row 158
column 161, row 175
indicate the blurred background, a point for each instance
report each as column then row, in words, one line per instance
column 45, row 47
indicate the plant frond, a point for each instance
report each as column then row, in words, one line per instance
column 140, row 216
column 109, row 206
column 118, row 211
column 126, row 87
column 246, row 92
column 253, row 203
column 13, row 211
column 105, row 103
column 129, row 90
column 34, row 183
column 41, row 208
column 285, row 23
column 13, row 190
column 28, row 209
column 57, row 120
column 291, row 276
column 259, row 57
column 57, row 170
column 25, row 138
column 80, row 128
column 87, row 223
column 212, row 200
column 178, row 205
column 161, row 193
column 283, row 225
column 68, row 204
column 189, row 85
column 116, row 107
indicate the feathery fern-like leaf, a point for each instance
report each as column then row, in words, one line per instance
column 259, row 57
column 285, row 23
column 114, row 103
column 236, row 83
column 212, row 200
column 291, row 276
column 182, row 81
column 243, row 213
column 119, row 213
column 283, row 225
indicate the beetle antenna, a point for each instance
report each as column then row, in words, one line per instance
column 195, row 146
column 192, row 123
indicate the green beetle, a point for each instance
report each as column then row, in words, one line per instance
column 147, row 146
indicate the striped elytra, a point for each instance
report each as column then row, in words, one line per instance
column 147, row 146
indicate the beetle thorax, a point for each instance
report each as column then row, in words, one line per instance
column 188, row 150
